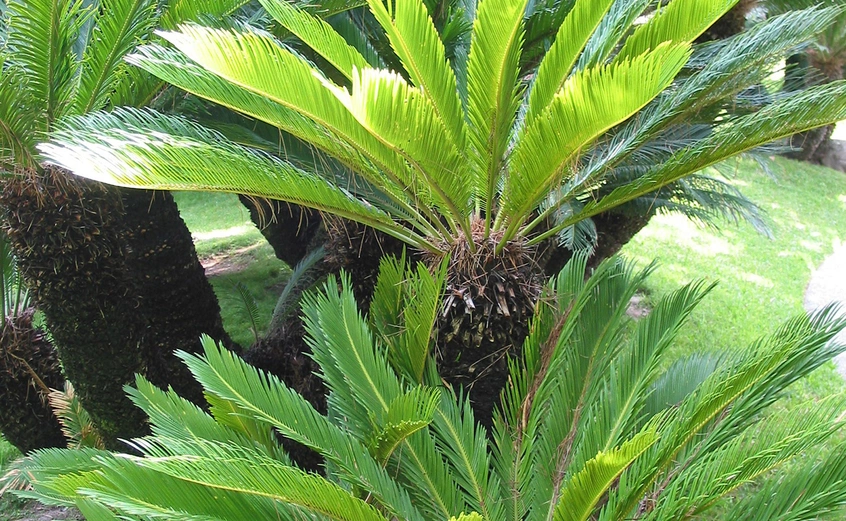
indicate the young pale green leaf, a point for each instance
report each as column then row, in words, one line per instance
column 407, row 414
column 582, row 492
column 416, row 42
column 318, row 35
column 571, row 38
column 681, row 21
column 117, row 27
column 578, row 115
column 493, row 92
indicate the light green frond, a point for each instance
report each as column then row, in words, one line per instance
column 813, row 107
column 180, row 11
column 120, row 148
column 681, row 21
column 268, row 400
column 172, row 416
column 473, row 516
column 44, row 471
column 235, row 470
column 493, row 92
column 464, row 444
column 403, row 118
column 41, row 37
column 614, row 27
column 416, row 42
column 94, row 511
column 20, row 117
column 340, row 338
column 318, row 35
column 579, row 114
column 117, row 27
column 260, row 65
column 583, row 491
column 555, row 68
column 407, row 414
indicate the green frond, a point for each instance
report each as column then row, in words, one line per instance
column 416, row 42
column 813, row 107
column 20, row 118
column 464, row 445
column 407, row 414
column 180, row 11
column 318, row 35
column 493, row 93
column 234, row 470
column 120, row 148
column 403, row 311
column 583, row 491
column 117, row 27
column 41, row 37
column 172, row 416
column 343, row 345
column 681, row 21
column 260, row 65
column 268, row 400
column 558, row 61
column 45, row 470
column 579, row 114
column 473, row 516
column 94, row 511
column 613, row 28
column 404, row 119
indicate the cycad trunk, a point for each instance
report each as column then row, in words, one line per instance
column 66, row 234
column 29, row 368
column 288, row 228
column 177, row 301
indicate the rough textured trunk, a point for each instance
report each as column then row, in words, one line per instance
column 288, row 228
column 66, row 234
column 177, row 301
column 29, row 368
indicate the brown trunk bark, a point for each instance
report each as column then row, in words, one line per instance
column 177, row 301
column 29, row 368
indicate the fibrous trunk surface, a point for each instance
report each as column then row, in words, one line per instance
column 29, row 368
column 66, row 234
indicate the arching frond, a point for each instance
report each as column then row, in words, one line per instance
column 558, row 61
column 577, row 116
column 181, row 11
column 117, row 27
column 493, row 93
column 119, row 148
column 41, row 37
column 20, row 116
column 680, row 21
column 613, row 29
column 318, row 35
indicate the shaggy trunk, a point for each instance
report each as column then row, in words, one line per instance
column 29, row 368
column 288, row 228
column 66, row 234
column 177, row 301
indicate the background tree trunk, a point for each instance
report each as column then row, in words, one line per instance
column 29, row 368
column 288, row 228
column 66, row 234
column 177, row 301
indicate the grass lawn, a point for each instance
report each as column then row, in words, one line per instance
column 761, row 281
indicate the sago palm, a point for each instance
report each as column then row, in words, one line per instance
column 487, row 157
column 593, row 424
column 110, row 268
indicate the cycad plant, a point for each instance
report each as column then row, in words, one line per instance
column 485, row 137
column 111, row 269
column 593, row 423
column 29, row 366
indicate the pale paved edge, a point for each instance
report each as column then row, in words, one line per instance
column 828, row 284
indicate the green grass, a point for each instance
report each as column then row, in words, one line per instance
column 761, row 281
column 225, row 237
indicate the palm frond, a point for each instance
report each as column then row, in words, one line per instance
column 117, row 27
column 577, row 116
column 20, row 118
column 558, row 61
column 119, row 148
column 318, row 35
column 416, row 42
column 41, row 37
column 811, row 108
column 614, row 28
column 493, row 93
column 181, row 11
column 680, row 21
